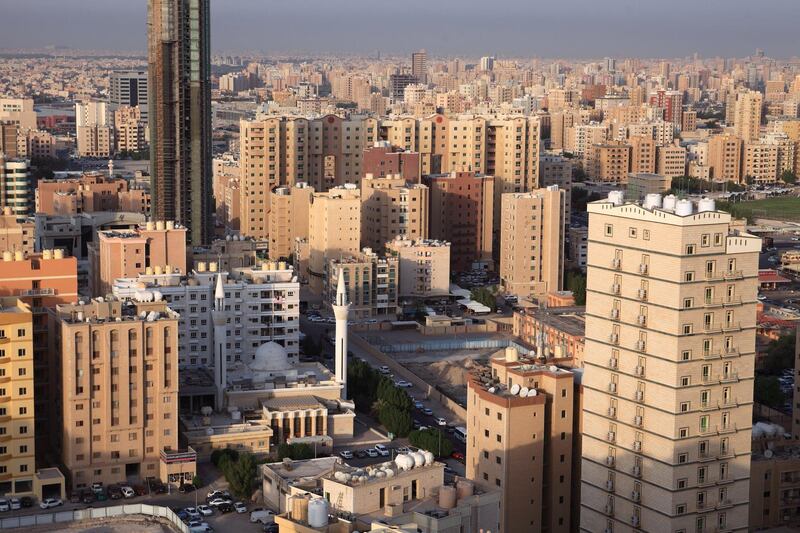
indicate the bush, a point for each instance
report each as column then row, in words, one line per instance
column 395, row 420
column 484, row 296
column 576, row 282
column 297, row 451
column 432, row 440
column 218, row 455
column 240, row 474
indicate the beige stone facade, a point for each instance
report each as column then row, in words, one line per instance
column 607, row 162
column 334, row 229
column 760, row 162
column 532, row 242
column 371, row 281
column 724, row 158
column 424, row 267
column 669, row 362
column 288, row 218
column 671, row 161
column 747, row 118
column 392, row 208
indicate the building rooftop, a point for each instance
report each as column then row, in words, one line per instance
column 570, row 320
column 303, row 471
column 403, row 464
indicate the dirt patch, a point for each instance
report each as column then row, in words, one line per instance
column 449, row 375
column 110, row 525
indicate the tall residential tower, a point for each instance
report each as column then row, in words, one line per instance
column 180, row 114
column 669, row 363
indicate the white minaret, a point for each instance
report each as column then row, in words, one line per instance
column 341, row 308
column 219, row 316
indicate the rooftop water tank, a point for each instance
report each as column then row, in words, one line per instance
column 706, row 204
column 652, row 201
column 58, row 253
column 447, row 497
column 300, row 509
column 318, row 512
column 465, row 488
column 669, row 202
column 684, row 208
column 616, row 197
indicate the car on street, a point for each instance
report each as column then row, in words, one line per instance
column 403, row 449
column 15, row 504
column 218, row 493
column 186, row 488
column 205, row 510
column 382, row 450
column 4, row 505
column 192, row 513
column 457, row 456
column 265, row 516
column 225, row 508
column 441, row 421
column 240, row 507
column 47, row 503
column 346, row 454
column 383, row 369
column 127, row 492
column 419, row 405
column 428, row 411
column 403, row 384
column 372, row 452
column 218, row 501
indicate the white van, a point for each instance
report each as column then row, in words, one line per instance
column 265, row 516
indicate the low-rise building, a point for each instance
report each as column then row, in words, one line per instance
column 558, row 332
column 640, row 185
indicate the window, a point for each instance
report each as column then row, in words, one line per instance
column 609, row 230
column 688, row 276
column 690, row 249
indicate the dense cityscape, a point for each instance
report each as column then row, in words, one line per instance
column 423, row 292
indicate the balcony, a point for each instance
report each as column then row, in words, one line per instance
column 613, row 363
column 38, row 292
column 729, row 377
column 637, row 446
column 641, row 346
column 615, row 314
column 642, row 295
column 644, row 269
column 616, row 289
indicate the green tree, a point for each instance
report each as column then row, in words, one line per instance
column 768, row 392
column 297, row 451
column 240, row 474
column 576, row 282
column 484, row 296
column 196, row 481
column 226, row 453
column 395, row 420
column 780, row 354
column 432, row 440
column 789, row 176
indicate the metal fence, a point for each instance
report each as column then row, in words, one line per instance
column 94, row 513
column 453, row 344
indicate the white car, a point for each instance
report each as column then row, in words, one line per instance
column 240, row 507
column 382, row 450
column 403, row 384
column 192, row 513
column 127, row 492
column 384, row 369
column 205, row 510
column 217, row 494
column 372, row 452
column 199, row 527
column 4, row 505
column 441, row 421
column 346, row 454
column 15, row 504
column 218, row 501
column 47, row 503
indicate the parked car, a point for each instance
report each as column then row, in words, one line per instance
column 87, row 496
column 156, row 486
column 270, row 528
column 346, row 454
column 205, row 510
column 219, row 500
column 361, row 454
column 441, row 421
column 75, row 497
column 114, row 492
column 183, row 515
column 199, row 527
column 428, row 411
column 372, row 452
column 265, row 516
column 26, row 501
column 226, row 507
column 458, row 456
column 382, row 450
column 419, row 405
column 240, row 507
column 4, row 505
column 403, row 449
column 127, row 492
column 15, row 504
column 384, row 369
column 140, row 490
column 47, row 503
column 218, row 493
column 186, row 487
column 192, row 513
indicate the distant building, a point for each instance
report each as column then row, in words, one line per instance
column 641, row 184
column 18, row 111
column 95, row 132
column 424, row 267
column 382, row 160
column 559, row 331
column 390, row 208
column 288, row 218
column 371, row 280
column 16, row 188
column 128, row 88
column 334, row 230
column 92, row 192
column 419, row 66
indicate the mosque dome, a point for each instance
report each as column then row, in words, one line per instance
column 270, row 357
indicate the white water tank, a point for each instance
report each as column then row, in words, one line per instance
column 318, row 512
column 669, row 202
column 652, row 201
column 58, row 253
column 684, row 208
column 8, row 256
column 404, row 461
column 429, row 458
column 706, row 204
column 616, row 197
column 419, row 459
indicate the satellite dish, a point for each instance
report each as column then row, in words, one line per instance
column 768, row 454
column 523, row 392
column 492, row 389
column 532, row 393
column 515, row 389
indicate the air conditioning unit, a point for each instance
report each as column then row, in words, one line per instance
column 642, row 294
column 637, row 420
column 642, row 319
column 610, row 460
column 637, row 446
column 640, row 370
column 643, row 268
column 639, row 396
column 637, row 471
column 640, row 345
column 615, row 288
column 609, row 509
column 609, row 485
column 616, row 262
column 635, row 521
column 612, row 412
column 612, row 387
column 612, row 363
column 612, row 437
column 614, row 338
column 615, row 314
column 635, row 496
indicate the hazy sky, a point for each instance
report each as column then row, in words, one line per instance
column 545, row 28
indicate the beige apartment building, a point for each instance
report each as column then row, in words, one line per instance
column 119, row 392
column 760, row 162
column 424, row 267
column 725, row 158
column 391, row 208
column 556, row 169
column 643, row 154
column 669, row 363
column 519, row 438
column 334, row 229
column 159, row 246
column 671, row 161
column 640, row 185
column 288, row 218
column 17, row 436
column 129, row 129
column 532, row 242
column 608, row 162
column 747, row 115
column 371, row 281
column 16, row 233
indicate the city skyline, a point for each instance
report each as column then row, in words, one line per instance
column 508, row 29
